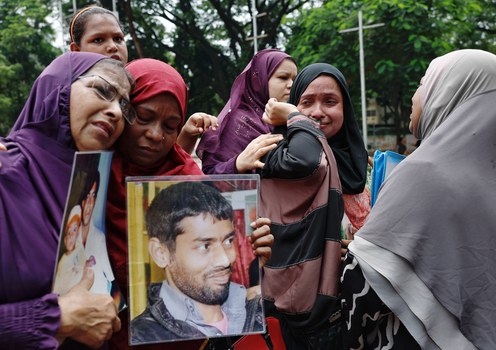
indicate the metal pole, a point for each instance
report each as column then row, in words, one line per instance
column 62, row 26
column 114, row 9
column 360, row 29
column 74, row 7
column 362, row 79
column 254, row 21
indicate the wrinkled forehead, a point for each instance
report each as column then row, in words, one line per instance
column 115, row 75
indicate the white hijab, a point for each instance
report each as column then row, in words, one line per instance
column 434, row 222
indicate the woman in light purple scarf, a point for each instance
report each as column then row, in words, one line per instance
column 75, row 104
column 242, row 137
column 427, row 250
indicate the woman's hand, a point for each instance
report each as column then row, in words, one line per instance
column 195, row 126
column 262, row 240
column 198, row 123
column 249, row 159
column 344, row 248
column 370, row 160
column 276, row 113
column 87, row 317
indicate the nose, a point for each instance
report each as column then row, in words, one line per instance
column 114, row 111
column 111, row 46
column 154, row 132
column 316, row 111
column 222, row 257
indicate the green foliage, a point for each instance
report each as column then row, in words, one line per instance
column 25, row 49
column 206, row 40
column 396, row 54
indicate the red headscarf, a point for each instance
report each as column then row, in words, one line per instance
column 152, row 78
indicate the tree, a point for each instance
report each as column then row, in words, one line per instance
column 397, row 54
column 25, row 49
column 207, row 41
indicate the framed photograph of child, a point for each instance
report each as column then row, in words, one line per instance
column 82, row 242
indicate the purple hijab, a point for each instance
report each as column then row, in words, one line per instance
column 240, row 121
column 35, row 173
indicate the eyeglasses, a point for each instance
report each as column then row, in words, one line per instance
column 108, row 92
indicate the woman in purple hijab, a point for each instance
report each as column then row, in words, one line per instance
column 242, row 137
column 77, row 103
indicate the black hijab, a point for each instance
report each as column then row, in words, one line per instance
column 347, row 144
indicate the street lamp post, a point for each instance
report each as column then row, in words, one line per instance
column 360, row 29
column 254, row 16
column 254, row 23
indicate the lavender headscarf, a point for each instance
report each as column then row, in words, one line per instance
column 35, row 174
column 240, row 121
column 433, row 227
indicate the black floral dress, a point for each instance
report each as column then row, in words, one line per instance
column 368, row 322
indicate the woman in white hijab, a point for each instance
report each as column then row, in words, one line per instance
column 428, row 249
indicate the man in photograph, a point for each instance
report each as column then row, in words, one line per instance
column 191, row 234
column 93, row 239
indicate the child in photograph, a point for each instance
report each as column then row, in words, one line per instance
column 71, row 264
column 92, row 238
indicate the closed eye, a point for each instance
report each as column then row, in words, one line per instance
column 143, row 120
column 306, row 103
column 104, row 92
column 172, row 126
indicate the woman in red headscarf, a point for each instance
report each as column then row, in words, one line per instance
column 149, row 147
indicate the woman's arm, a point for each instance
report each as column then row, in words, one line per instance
column 30, row 324
column 44, row 323
column 299, row 154
column 243, row 162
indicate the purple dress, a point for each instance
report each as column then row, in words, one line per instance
column 34, row 180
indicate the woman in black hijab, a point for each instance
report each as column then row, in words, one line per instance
column 347, row 143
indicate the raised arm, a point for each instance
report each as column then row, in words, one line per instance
column 299, row 154
column 196, row 125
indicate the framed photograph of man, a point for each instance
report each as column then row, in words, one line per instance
column 190, row 258
column 82, row 242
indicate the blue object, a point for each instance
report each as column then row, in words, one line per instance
column 384, row 163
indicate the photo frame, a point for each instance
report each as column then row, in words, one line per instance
column 82, row 242
column 190, row 258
